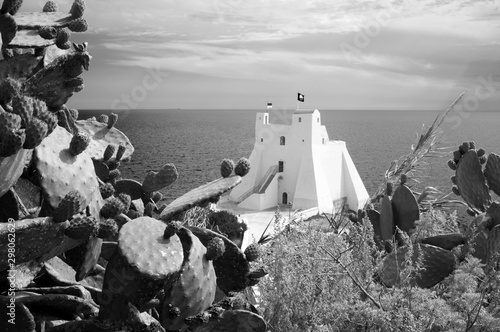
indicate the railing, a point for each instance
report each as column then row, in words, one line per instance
column 246, row 195
column 267, row 179
column 263, row 184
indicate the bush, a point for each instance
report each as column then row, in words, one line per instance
column 226, row 223
column 323, row 281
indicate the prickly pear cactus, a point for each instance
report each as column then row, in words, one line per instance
column 492, row 172
column 226, row 167
column 194, row 290
column 142, row 265
column 38, row 238
column 199, row 195
column 232, row 268
column 445, row 241
column 386, row 218
column 158, row 180
column 436, row 264
column 471, row 181
column 405, row 208
column 60, row 172
column 102, row 136
column 11, row 169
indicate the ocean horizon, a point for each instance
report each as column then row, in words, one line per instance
column 196, row 141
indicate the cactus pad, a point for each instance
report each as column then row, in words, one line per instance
column 112, row 119
column 36, row 238
column 493, row 213
column 77, row 8
column 194, row 291
column 81, row 228
column 79, row 143
column 252, row 252
column 112, row 207
column 158, row 180
column 405, row 208
column 50, row 7
column 78, row 25
column 11, row 142
column 36, row 130
column 108, row 228
column 11, row 169
column 226, row 167
column 215, row 248
column 120, row 152
column 492, row 172
column 232, row 268
column 199, row 195
column 374, row 217
column 72, row 203
column 101, row 136
column 242, row 167
column 445, row 241
column 436, row 264
column 109, row 152
column 471, row 181
column 130, row 187
column 141, row 265
column 60, row 172
column 386, row 219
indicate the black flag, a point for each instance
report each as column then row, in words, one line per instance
column 300, row 97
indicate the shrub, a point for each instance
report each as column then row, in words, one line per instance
column 322, row 281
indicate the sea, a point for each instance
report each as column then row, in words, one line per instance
column 196, row 141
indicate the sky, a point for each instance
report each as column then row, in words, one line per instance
column 341, row 54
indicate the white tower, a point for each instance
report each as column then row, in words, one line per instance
column 297, row 163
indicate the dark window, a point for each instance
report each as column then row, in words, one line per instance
column 281, row 166
column 300, row 119
column 262, row 140
column 265, row 119
column 284, row 199
column 317, row 120
column 282, row 140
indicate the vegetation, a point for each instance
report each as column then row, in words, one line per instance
column 320, row 280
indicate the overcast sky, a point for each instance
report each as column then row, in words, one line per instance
column 341, row 54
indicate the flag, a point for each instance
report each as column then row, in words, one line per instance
column 269, row 105
column 300, row 97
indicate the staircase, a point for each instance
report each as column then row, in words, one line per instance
column 267, row 179
column 263, row 184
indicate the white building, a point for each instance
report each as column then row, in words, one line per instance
column 297, row 163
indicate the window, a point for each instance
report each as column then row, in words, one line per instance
column 281, row 166
column 261, row 140
column 317, row 120
column 300, row 119
column 323, row 140
column 265, row 119
column 282, row 140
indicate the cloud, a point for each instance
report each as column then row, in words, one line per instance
column 431, row 47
